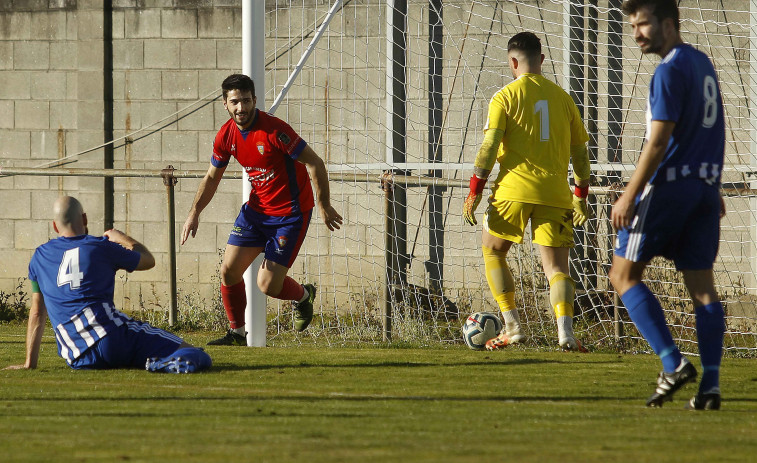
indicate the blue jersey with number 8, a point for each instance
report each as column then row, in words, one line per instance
column 684, row 90
column 76, row 277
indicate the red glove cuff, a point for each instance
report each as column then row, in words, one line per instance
column 581, row 192
column 477, row 184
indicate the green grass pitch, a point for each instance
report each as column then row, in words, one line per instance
column 372, row 404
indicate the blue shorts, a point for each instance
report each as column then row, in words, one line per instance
column 678, row 220
column 128, row 346
column 280, row 236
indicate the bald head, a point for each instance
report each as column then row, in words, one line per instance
column 68, row 217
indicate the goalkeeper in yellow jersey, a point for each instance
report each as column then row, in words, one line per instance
column 534, row 130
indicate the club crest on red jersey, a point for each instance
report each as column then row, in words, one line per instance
column 261, row 148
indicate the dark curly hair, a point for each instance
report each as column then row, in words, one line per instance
column 237, row 82
column 661, row 9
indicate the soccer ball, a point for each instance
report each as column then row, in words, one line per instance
column 480, row 327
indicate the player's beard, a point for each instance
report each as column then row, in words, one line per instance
column 651, row 45
column 242, row 119
column 651, row 49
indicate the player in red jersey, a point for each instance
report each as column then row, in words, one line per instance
column 276, row 216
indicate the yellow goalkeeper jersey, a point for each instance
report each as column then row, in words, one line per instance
column 540, row 121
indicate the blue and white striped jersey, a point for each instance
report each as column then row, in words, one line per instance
column 76, row 277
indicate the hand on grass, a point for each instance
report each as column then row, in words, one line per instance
column 17, row 367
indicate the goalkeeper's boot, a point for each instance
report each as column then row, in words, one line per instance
column 230, row 339
column 573, row 345
column 709, row 401
column 170, row 364
column 303, row 311
column 504, row 339
column 669, row 383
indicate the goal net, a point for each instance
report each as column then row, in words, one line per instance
column 394, row 98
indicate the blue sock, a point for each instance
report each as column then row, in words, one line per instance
column 710, row 329
column 646, row 313
column 198, row 356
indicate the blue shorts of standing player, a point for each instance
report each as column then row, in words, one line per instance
column 280, row 237
column 679, row 221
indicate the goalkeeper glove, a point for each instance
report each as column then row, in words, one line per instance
column 581, row 211
column 473, row 199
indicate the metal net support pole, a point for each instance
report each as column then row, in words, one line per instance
column 170, row 181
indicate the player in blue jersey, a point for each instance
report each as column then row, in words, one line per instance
column 72, row 280
column 672, row 205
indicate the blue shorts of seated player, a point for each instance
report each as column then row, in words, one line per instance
column 280, row 237
column 677, row 220
column 137, row 344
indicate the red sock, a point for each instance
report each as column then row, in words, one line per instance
column 234, row 301
column 291, row 290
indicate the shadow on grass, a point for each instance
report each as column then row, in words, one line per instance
column 329, row 396
column 219, row 367
column 730, row 407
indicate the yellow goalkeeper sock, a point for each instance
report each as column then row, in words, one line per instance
column 502, row 286
column 561, row 293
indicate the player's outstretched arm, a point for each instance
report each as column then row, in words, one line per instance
column 146, row 259
column 34, row 331
column 205, row 192
column 317, row 170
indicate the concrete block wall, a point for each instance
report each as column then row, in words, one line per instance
column 168, row 54
column 51, row 106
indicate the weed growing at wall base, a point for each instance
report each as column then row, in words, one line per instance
column 13, row 305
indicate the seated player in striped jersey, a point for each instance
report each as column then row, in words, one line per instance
column 72, row 280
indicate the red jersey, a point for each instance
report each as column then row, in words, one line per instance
column 267, row 150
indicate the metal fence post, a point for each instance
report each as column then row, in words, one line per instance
column 617, row 321
column 169, row 181
column 390, row 253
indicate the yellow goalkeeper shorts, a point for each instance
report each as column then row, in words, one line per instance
column 550, row 226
